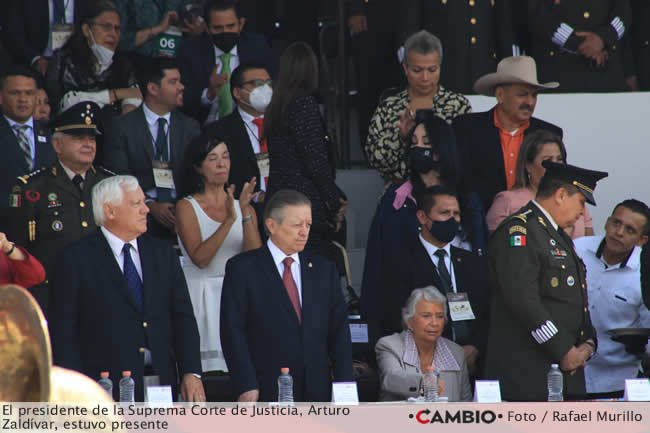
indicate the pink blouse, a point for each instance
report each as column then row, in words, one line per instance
column 508, row 202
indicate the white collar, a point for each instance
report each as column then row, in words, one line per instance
column 152, row 118
column 218, row 51
column 29, row 122
column 592, row 243
column 247, row 118
column 546, row 214
column 116, row 243
column 71, row 173
column 431, row 249
column 278, row 255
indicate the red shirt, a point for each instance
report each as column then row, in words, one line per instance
column 25, row 273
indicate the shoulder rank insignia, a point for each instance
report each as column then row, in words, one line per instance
column 517, row 229
column 541, row 221
column 523, row 216
column 25, row 178
column 104, row 169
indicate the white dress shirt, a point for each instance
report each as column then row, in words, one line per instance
column 615, row 301
column 117, row 244
column 214, row 103
column 431, row 250
column 278, row 256
column 251, row 130
column 29, row 133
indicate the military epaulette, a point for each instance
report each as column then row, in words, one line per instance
column 24, row 178
column 523, row 216
column 103, row 169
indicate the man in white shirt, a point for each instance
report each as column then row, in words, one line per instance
column 283, row 307
column 243, row 129
column 614, row 294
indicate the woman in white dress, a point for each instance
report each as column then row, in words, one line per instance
column 212, row 227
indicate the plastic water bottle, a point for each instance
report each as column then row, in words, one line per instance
column 106, row 383
column 127, row 388
column 285, row 386
column 554, row 382
column 430, row 384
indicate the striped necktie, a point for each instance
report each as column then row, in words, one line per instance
column 25, row 146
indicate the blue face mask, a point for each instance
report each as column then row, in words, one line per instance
column 445, row 231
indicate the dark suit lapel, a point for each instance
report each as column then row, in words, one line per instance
column 276, row 284
column 107, row 265
column 176, row 137
column 309, row 281
column 148, row 271
column 10, row 148
column 43, row 148
column 142, row 129
column 425, row 271
column 244, row 139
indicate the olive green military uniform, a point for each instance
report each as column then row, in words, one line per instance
column 48, row 211
column 539, row 309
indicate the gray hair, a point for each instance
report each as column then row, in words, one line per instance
column 423, row 43
column 429, row 293
column 274, row 207
column 110, row 190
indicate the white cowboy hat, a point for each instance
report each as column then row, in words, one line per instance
column 517, row 69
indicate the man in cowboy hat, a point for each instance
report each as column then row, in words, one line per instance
column 489, row 142
column 540, row 312
column 50, row 207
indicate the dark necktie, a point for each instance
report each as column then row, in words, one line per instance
column 290, row 285
column 161, row 141
column 132, row 277
column 23, row 142
column 58, row 14
column 78, row 180
column 445, row 278
column 461, row 328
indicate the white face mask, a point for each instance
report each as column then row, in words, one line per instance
column 104, row 55
column 260, row 97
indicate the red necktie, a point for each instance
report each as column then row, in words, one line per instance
column 290, row 285
column 259, row 122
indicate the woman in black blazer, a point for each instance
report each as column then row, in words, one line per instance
column 300, row 151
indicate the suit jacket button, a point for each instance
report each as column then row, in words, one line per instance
column 585, row 309
column 141, row 350
column 84, row 224
column 82, row 204
column 586, row 15
column 473, row 40
column 551, row 53
column 473, row 20
column 582, row 333
column 471, row 3
column 145, row 324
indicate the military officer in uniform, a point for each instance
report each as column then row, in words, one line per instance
column 539, row 312
column 51, row 206
column 578, row 42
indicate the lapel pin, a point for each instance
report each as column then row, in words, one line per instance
column 310, row 265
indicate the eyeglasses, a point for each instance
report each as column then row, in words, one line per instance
column 258, row 83
column 107, row 27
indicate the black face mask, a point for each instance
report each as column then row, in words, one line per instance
column 421, row 159
column 225, row 41
column 444, row 231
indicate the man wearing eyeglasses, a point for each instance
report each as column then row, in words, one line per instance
column 207, row 61
column 242, row 130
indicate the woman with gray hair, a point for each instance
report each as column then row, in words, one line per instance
column 403, row 358
column 395, row 116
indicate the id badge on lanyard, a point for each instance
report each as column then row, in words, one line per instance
column 163, row 176
column 459, row 307
column 264, row 166
column 60, row 35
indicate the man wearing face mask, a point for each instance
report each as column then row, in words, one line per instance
column 208, row 60
column 432, row 258
column 242, row 129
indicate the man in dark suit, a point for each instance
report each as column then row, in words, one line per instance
column 149, row 142
column 30, row 25
column 242, row 130
column 421, row 265
column 282, row 307
column 489, row 142
column 208, row 60
column 540, row 311
column 51, row 207
column 122, row 301
column 25, row 142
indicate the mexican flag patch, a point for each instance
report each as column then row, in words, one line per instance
column 518, row 240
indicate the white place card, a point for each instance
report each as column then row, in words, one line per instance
column 637, row 390
column 487, row 391
column 159, row 395
column 345, row 393
column 359, row 332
